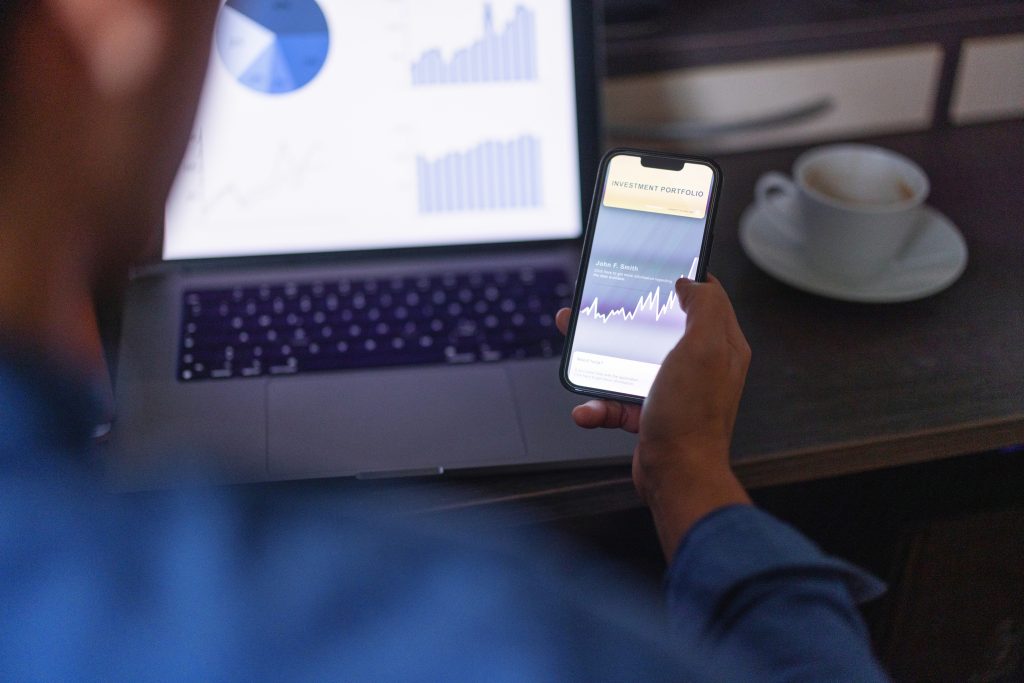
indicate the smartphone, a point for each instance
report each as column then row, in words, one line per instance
column 650, row 224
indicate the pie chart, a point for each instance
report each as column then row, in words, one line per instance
column 273, row 46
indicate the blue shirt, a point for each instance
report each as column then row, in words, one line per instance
column 228, row 585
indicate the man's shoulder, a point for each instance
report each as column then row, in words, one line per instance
column 257, row 579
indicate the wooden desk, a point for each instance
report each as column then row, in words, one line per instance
column 837, row 388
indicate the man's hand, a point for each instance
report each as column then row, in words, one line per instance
column 681, row 462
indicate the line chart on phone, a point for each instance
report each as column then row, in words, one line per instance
column 647, row 307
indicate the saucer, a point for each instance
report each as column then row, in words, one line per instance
column 932, row 261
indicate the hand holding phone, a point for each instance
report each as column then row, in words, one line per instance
column 650, row 224
column 681, row 463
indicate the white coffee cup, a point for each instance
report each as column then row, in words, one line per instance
column 852, row 207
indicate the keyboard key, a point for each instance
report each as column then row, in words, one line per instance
column 295, row 327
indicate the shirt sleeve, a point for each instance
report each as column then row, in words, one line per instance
column 751, row 590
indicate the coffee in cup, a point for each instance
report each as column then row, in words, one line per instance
column 852, row 207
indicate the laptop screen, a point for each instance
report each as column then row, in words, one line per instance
column 335, row 125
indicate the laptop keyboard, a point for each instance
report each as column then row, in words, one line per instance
column 326, row 325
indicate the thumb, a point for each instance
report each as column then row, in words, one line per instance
column 685, row 289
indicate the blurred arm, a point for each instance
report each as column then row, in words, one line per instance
column 746, row 588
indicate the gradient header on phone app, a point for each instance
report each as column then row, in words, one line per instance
column 631, row 185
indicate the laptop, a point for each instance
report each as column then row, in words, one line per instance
column 376, row 220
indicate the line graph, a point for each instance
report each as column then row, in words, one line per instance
column 285, row 171
column 644, row 333
column 648, row 307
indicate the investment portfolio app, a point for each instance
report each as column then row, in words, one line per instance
column 648, row 234
column 335, row 125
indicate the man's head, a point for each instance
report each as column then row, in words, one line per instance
column 97, row 101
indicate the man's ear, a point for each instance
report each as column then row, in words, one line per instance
column 120, row 43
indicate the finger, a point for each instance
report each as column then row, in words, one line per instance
column 562, row 320
column 607, row 414
column 700, row 300
column 693, row 299
column 708, row 304
column 686, row 291
column 689, row 291
column 732, row 324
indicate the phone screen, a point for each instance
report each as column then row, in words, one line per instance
column 648, row 232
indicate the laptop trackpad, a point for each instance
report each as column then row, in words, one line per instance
column 391, row 421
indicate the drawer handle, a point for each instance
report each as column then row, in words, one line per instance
column 694, row 130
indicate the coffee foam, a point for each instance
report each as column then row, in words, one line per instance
column 858, row 187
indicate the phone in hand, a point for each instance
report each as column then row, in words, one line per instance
column 650, row 224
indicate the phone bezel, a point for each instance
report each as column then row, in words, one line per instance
column 588, row 238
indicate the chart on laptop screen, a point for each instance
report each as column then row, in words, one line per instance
column 331, row 125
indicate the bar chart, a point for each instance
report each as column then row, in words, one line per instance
column 494, row 175
column 506, row 55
